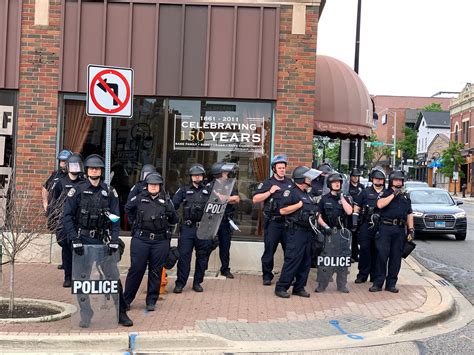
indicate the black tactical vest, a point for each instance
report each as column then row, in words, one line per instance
column 194, row 204
column 92, row 210
column 151, row 214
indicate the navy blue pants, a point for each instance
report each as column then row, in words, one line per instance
column 297, row 261
column 389, row 245
column 274, row 234
column 367, row 252
column 145, row 252
column 66, row 253
column 225, row 235
column 186, row 243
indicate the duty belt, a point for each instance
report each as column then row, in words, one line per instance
column 278, row 219
column 91, row 233
column 190, row 223
column 394, row 222
column 153, row 236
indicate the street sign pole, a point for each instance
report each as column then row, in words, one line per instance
column 108, row 147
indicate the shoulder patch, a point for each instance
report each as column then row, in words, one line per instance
column 104, row 193
column 71, row 192
column 260, row 185
column 286, row 193
column 115, row 192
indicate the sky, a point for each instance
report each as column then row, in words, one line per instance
column 407, row 47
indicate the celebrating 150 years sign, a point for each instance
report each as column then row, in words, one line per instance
column 219, row 132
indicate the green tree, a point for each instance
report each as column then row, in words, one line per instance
column 408, row 143
column 369, row 152
column 434, row 107
column 332, row 154
column 450, row 157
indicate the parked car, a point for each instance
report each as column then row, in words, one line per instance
column 414, row 184
column 435, row 212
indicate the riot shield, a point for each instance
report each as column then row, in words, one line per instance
column 346, row 185
column 95, row 288
column 215, row 208
column 337, row 250
column 326, row 189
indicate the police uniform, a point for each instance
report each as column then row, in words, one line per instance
column 354, row 191
column 193, row 200
column 59, row 192
column 367, row 202
column 224, row 233
column 333, row 214
column 274, row 227
column 85, row 221
column 390, row 239
column 151, row 219
column 297, row 260
column 136, row 189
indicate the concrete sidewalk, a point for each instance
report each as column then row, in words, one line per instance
column 238, row 315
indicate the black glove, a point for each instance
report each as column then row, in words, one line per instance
column 339, row 194
column 327, row 230
column 355, row 221
column 77, row 246
column 411, row 234
column 397, row 192
column 112, row 248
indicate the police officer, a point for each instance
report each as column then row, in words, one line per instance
column 151, row 215
column 85, row 221
column 366, row 212
column 334, row 209
column 61, row 187
column 318, row 185
column 396, row 216
column 270, row 192
column 224, row 233
column 55, row 176
column 193, row 197
column 297, row 206
column 141, row 185
column 355, row 188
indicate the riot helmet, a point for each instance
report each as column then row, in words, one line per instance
column 154, row 178
column 299, row 174
column 216, row 169
column 355, row 172
column 64, row 154
column 146, row 169
column 74, row 164
column 396, row 175
column 334, row 177
column 196, row 169
column 94, row 161
column 377, row 173
column 325, row 168
column 280, row 158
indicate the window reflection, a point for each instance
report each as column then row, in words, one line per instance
column 149, row 137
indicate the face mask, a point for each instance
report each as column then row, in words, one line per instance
column 94, row 177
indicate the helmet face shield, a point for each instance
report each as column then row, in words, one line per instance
column 312, row 174
column 75, row 167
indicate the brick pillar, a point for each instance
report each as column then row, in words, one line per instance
column 38, row 96
column 296, row 88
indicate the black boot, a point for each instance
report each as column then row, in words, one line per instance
column 124, row 319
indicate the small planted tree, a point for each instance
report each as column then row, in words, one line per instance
column 22, row 222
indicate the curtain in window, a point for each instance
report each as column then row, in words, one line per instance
column 77, row 125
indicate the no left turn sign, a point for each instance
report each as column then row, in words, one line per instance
column 109, row 91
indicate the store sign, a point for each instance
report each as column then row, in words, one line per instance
column 219, row 133
column 6, row 130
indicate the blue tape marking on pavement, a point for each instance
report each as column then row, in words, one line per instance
column 131, row 340
column 335, row 324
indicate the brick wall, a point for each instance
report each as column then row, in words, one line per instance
column 296, row 87
column 38, row 97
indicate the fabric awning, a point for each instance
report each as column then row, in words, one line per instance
column 343, row 108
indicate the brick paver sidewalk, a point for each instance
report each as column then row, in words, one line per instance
column 237, row 309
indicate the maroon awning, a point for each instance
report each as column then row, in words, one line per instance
column 343, row 107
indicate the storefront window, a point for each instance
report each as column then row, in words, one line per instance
column 174, row 134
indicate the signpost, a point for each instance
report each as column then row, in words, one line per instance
column 377, row 144
column 109, row 94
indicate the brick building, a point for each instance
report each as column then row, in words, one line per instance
column 252, row 65
column 461, row 110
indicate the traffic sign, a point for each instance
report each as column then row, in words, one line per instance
column 109, row 91
column 377, row 144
